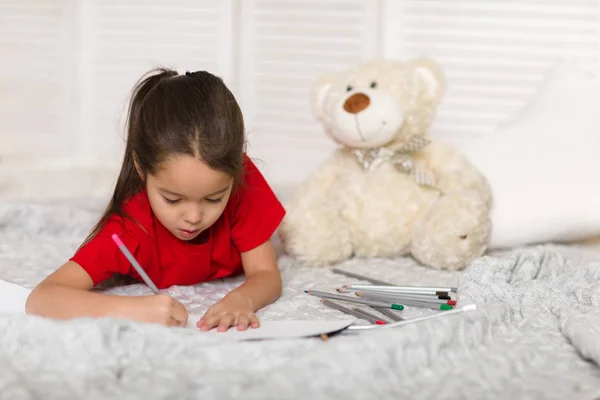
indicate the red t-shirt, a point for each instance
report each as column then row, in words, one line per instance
column 250, row 218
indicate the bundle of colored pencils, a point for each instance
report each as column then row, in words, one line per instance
column 435, row 297
column 384, row 297
column 384, row 307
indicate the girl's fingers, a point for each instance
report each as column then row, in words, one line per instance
column 254, row 322
column 209, row 322
column 226, row 322
column 202, row 321
column 242, row 322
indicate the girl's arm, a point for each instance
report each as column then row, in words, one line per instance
column 262, row 287
column 263, row 281
column 65, row 294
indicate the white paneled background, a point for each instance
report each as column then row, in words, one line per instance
column 36, row 62
column 67, row 66
column 494, row 52
column 123, row 38
column 285, row 46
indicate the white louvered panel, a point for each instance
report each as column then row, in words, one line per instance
column 35, row 74
column 285, row 46
column 128, row 38
column 494, row 52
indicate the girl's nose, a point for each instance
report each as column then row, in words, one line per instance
column 193, row 216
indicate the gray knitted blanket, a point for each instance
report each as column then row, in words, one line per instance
column 534, row 334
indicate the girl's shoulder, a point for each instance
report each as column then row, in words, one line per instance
column 255, row 212
column 135, row 217
column 253, row 185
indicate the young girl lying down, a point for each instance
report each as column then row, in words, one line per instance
column 190, row 206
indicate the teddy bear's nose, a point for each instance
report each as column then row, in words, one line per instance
column 356, row 103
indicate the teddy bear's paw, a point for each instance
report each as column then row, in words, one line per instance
column 381, row 247
column 318, row 253
column 455, row 231
column 315, row 245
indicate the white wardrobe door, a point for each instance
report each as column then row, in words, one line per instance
column 122, row 39
column 285, row 46
column 36, row 72
column 495, row 52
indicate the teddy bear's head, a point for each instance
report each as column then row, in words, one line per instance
column 378, row 102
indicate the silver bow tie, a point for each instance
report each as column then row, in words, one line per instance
column 400, row 157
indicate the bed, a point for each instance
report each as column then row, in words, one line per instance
column 533, row 335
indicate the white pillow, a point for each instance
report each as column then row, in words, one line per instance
column 544, row 167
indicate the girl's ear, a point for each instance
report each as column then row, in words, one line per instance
column 136, row 164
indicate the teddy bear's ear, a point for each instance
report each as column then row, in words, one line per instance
column 431, row 77
column 319, row 92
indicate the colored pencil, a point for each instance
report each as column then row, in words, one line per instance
column 383, row 310
column 380, row 289
column 400, row 298
column 354, row 299
column 413, row 296
column 135, row 264
column 392, row 293
column 470, row 307
column 360, row 277
column 424, row 289
column 347, row 310
column 375, row 318
column 389, row 313
column 422, row 304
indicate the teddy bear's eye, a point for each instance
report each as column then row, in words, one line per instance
column 348, row 88
column 373, row 84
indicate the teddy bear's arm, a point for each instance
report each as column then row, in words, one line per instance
column 312, row 230
column 322, row 178
column 457, row 227
column 455, row 173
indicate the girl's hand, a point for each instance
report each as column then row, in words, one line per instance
column 161, row 309
column 233, row 310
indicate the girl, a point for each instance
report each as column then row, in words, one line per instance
column 188, row 203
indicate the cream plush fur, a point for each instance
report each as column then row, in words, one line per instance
column 343, row 210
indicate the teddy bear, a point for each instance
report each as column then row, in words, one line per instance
column 387, row 190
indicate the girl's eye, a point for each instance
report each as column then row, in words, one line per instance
column 373, row 84
column 214, row 201
column 170, row 201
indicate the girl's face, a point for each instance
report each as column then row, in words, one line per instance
column 187, row 196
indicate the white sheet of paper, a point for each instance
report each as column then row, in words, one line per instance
column 271, row 330
column 12, row 298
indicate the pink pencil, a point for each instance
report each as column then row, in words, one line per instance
column 135, row 264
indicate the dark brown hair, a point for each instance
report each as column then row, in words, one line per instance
column 170, row 114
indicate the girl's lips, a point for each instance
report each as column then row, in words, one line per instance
column 187, row 233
